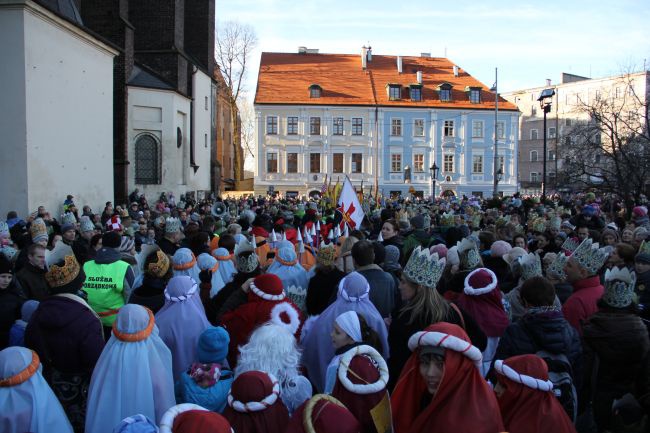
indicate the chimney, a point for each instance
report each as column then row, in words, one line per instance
column 425, row 54
column 548, row 82
column 455, row 71
column 418, row 74
column 399, row 64
column 370, row 54
column 364, row 57
column 302, row 50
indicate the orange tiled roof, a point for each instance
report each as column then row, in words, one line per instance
column 284, row 78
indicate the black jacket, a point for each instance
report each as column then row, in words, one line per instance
column 11, row 300
column 322, row 290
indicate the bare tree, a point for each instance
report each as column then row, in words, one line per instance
column 234, row 44
column 247, row 114
column 609, row 151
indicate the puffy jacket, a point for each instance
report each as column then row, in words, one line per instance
column 213, row 398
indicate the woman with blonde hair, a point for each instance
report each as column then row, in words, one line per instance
column 422, row 306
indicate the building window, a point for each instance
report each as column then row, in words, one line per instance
column 394, row 92
column 357, row 126
column 448, row 130
column 314, row 162
column 551, row 155
column 448, row 163
column 147, row 160
column 477, row 164
column 501, row 130
column 551, row 132
column 396, row 162
column 502, row 164
column 567, row 122
column 271, row 162
column 357, row 163
column 533, row 156
column 533, row 134
column 337, row 163
column 271, row 125
column 445, row 95
column 418, row 163
column 292, row 163
column 534, row 177
column 314, row 126
column 292, row 125
column 416, row 93
column 337, row 123
column 418, row 128
column 315, row 91
column 396, row 127
column 477, row 129
column 475, row 96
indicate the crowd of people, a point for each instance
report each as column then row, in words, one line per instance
column 270, row 315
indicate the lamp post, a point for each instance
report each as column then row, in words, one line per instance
column 495, row 89
column 434, row 175
column 545, row 100
column 498, row 178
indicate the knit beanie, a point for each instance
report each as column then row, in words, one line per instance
column 213, row 345
column 500, row 248
column 111, row 240
column 417, row 222
column 5, row 265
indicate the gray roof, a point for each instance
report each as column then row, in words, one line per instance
column 65, row 8
column 142, row 78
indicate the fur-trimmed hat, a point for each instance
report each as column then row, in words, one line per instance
column 480, row 281
column 268, row 287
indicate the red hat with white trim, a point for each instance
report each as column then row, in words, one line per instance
column 268, row 287
column 480, row 281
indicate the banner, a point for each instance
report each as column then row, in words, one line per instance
column 349, row 206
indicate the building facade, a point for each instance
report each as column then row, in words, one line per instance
column 56, row 109
column 572, row 95
column 382, row 121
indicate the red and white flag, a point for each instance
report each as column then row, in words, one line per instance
column 349, row 206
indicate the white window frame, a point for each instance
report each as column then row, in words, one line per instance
column 335, row 126
column 536, row 153
column 474, row 162
column 552, row 132
column 536, row 134
column 534, row 176
column 501, row 130
column 416, row 163
column 320, row 125
column 396, row 126
column 445, row 163
column 360, row 119
column 360, row 169
column 476, row 128
column 289, row 125
column 342, row 162
column 418, row 131
column 277, row 162
column 297, row 162
column 448, row 129
column 399, row 157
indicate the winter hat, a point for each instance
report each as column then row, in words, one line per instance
column 136, row 424
column 28, row 309
column 5, row 266
column 38, row 230
column 440, row 249
column 66, row 227
column 567, row 225
column 213, row 345
column 172, row 225
column 9, row 252
column 114, row 224
column 480, row 281
column 589, row 211
column 111, row 240
column 500, row 248
column 126, row 245
column 610, row 232
column 391, row 257
column 268, row 287
column 619, row 287
column 417, row 222
column 639, row 212
column 511, row 256
column 326, row 255
column 86, row 225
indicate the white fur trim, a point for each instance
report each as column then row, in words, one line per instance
column 294, row 318
column 265, row 295
column 529, row 381
column 256, row 406
column 447, row 341
column 358, row 388
column 469, row 290
column 184, row 297
column 167, row 421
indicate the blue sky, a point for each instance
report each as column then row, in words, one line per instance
column 527, row 41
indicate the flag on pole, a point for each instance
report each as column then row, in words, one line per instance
column 323, row 189
column 336, row 192
column 349, row 206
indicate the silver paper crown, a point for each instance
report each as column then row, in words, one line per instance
column 589, row 256
column 470, row 258
column 86, row 225
column 555, row 223
column 531, row 266
column 619, row 287
column 570, row 244
column 556, row 268
column 427, row 221
column 425, row 268
column 172, row 225
column 249, row 263
column 298, row 296
column 68, row 218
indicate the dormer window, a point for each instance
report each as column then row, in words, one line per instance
column 315, row 91
column 415, row 91
column 444, row 92
column 394, row 91
column 474, row 94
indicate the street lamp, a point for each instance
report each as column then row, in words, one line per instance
column 495, row 89
column 545, row 100
column 434, row 175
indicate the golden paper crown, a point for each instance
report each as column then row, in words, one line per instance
column 58, row 276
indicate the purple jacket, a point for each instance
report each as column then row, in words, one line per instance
column 66, row 334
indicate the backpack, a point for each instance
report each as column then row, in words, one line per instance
column 561, row 374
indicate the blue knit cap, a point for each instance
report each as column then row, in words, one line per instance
column 136, row 424
column 213, row 345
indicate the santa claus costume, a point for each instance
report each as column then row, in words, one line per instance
column 190, row 418
column 323, row 414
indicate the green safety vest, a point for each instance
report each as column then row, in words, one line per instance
column 105, row 285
